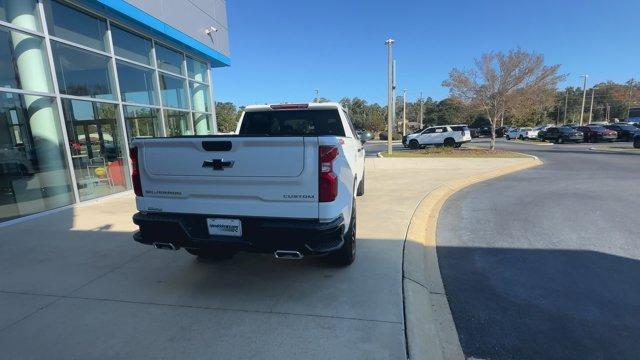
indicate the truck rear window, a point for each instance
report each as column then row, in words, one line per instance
column 292, row 123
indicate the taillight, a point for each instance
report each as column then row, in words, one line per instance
column 135, row 171
column 327, row 181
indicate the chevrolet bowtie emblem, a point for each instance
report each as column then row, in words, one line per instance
column 217, row 164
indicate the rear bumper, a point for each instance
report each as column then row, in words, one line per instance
column 260, row 235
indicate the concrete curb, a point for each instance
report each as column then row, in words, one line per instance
column 429, row 327
column 538, row 143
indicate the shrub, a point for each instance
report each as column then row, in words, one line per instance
column 383, row 136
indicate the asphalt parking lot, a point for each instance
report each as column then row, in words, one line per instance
column 544, row 264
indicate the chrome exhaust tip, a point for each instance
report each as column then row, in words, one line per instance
column 287, row 254
column 165, row 246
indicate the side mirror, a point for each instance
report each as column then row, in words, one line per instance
column 364, row 137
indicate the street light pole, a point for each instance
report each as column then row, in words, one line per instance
column 404, row 112
column 593, row 90
column 393, row 88
column 389, row 44
column 584, row 97
column 566, row 100
column 421, row 110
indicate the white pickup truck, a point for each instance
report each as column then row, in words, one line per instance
column 284, row 184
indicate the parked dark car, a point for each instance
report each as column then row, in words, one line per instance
column 626, row 132
column 500, row 131
column 542, row 134
column 563, row 134
column 596, row 133
column 475, row 132
column 636, row 141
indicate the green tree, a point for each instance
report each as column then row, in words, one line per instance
column 227, row 116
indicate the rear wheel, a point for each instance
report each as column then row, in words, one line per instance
column 449, row 142
column 215, row 255
column 636, row 143
column 347, row 253
column 414, row 144
column 507, row 137
column 559, row 140
column 521, row 137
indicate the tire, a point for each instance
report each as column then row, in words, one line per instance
column 636, row 143
column 507, row 137
column 414, row 144
column 360, row 190
column 521, row 138
column 449, row 142
column 458, row 145
column 214, row 255
column 347, row 253
column 559, row 140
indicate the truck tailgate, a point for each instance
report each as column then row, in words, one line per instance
column 248, row 176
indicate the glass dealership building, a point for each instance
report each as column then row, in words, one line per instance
column 79, row 79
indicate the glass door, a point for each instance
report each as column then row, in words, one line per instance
column 97, row 148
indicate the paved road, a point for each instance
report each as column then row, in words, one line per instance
column 373, row 147
column 545, row 263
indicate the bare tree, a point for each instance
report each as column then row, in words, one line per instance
column 500, row 82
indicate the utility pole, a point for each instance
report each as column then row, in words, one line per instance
column 584, row 97
column 566, row 100
column 317, row 95
column 404, row 112
column 389, row 44
column 593, row 90
column 421, row 110
column 557, row 114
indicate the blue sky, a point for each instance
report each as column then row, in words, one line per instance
column 281, row 50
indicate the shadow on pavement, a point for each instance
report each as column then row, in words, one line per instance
column 85, row 289
column 517, row 304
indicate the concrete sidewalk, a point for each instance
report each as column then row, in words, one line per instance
column 75, row 285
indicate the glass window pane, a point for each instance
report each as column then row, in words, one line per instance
column 130, row 46
column 136, row 84
column 23, row 62
column 197, row 70
column 199, row 97
column 169, row 60
column 81, row 72
column 141, row 122
column 22, row 13
column 177, row 123
column 173, row 92
column 74, row 25
column 33, row 169
column 202, row 123
column 97, row 148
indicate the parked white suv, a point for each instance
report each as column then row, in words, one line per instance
column 445, row 135
column 284, row 184
column 523, row 133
